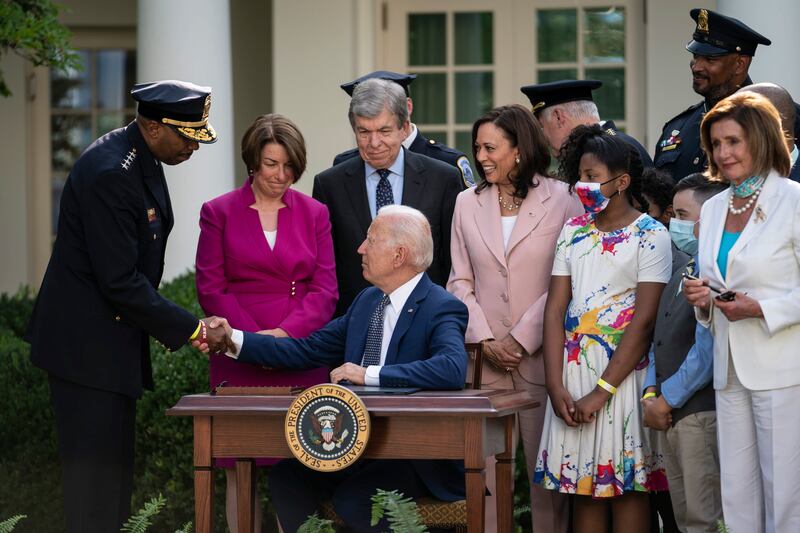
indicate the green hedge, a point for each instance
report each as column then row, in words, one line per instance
column 28, row 454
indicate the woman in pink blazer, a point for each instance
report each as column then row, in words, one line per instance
column 503, row 244
column 265, row 261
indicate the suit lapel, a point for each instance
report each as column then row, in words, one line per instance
column 717, row 222
column 406, row 317
column 757, row 221
column 413, row 179
column 487, row 220
column 355, row 186
column 531, row 213
column 152, row 172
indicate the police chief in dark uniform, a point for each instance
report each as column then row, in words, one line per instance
column 416, row 141
column 99, row 302
column 722, row 49
column 561, row 106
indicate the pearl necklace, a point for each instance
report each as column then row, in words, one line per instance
column 513, row 206
column 746, row 206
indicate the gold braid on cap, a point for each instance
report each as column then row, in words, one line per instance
column 180, row 124
column 537, row 106
column 702, row 21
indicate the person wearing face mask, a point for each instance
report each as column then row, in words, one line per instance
column 678, row 396
column 265, row 262
column 610, row 267
column 502, row 246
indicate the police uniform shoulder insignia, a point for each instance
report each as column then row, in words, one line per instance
column 611, row 131
column 466, row 171
column 431, row 141
column 130, row 157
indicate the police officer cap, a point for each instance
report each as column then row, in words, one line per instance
column 177, row 103
column 543, row 95
column 403, row 80
column 717, row 34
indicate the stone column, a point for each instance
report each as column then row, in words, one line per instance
column 190, row 40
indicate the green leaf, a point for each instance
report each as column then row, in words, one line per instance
column 6, row 526
column 139, row 522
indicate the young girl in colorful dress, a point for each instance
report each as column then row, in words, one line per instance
column 610, row 268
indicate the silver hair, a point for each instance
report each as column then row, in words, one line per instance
column 372, row 96
column 577, row 110
column 410, row 228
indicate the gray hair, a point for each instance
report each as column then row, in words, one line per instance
column 578, row 110
column 372, row 96
column 410, row 228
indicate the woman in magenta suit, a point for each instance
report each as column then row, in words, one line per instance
column 265, row 262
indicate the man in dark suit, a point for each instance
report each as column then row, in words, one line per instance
column 783, row 102
column 384, row 173
column 415, row 141
column 561, row 106
column 722, row 50
column 402, row 332
column 99, row 302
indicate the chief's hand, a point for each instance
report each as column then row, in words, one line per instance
column 352, row 372
column 657, row 413
column 587, row 407
column 697, row 293
column 217, row 336
column 563, row 404
column 742, row 306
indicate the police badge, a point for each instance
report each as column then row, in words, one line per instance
column 327, row 427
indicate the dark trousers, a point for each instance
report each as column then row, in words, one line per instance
column 95, row 445
column 298, row 492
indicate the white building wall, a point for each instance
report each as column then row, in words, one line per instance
column 13, row 178
column 315, row 49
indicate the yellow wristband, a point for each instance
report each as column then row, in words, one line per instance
column 649, row 395
column 196, row 331
column 608, row 387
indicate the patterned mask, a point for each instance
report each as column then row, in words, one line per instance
column 590, row 196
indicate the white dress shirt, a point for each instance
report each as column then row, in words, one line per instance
column 397, row 301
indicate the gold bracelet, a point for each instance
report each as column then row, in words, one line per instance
column 608, row 387
column 649, row 395
column 196, row 331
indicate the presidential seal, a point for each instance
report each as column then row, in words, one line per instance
column 327, row 427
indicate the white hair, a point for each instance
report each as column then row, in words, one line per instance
column 410, row 228
column 578, row 110
column 372, row 96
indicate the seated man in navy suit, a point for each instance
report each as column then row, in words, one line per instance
column 404, row 331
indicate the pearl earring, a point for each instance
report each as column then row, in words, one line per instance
column 517, row 160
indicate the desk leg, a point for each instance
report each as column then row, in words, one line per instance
column 203, row 476
column 505, row 483
column 245, row 494
column 474, row 464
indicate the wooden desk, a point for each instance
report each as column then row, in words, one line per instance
column 467, row 424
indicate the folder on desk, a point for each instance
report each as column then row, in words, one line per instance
column 366, row 390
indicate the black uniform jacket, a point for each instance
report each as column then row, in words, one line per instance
column 99, row 301
column 679, row 151
column 431, row 148
column 428, row 185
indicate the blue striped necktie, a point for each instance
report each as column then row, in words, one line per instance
column 372, row 349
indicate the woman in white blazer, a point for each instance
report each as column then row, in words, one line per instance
column 749, row 256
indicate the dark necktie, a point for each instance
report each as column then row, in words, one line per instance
column 383, row 194
column 372, row 350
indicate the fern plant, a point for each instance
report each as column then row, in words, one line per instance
column 143, row 518
column 315, row 524
column 721, row 527
column 6, row 526
column 401, row 513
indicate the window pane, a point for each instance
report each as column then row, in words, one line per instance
column 557, row 35
column 426, row 39
column 464, row 143
column 71, row 88
column 473, row 38
column 473, row 95
column 116, row 72
column 109, row 121
column 610, row 98
column 604, row 35
column 557, row 74
column 71, row 134
column 429, row 92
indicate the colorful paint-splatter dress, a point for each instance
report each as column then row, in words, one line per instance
column 610, row 455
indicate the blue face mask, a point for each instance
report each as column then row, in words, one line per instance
column 682, row 233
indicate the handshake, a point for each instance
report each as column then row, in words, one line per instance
column 215, row 336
